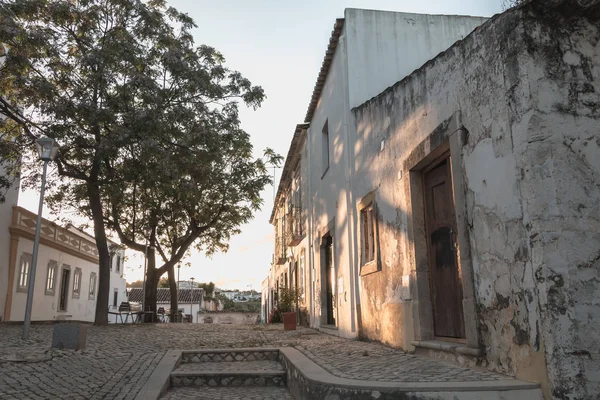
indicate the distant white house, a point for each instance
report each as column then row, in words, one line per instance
column 190, row 301
column 66, row 279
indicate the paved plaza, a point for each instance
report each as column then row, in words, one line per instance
column 119, row 359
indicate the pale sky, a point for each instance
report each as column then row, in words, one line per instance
column 280, row 46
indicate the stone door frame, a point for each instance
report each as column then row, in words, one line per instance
column 448, row 136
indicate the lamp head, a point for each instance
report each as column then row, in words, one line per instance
column 47, row 148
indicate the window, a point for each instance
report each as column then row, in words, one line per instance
column 115, row 297
column 325, row 147
column 76, row 283
column 92, row 292
column 51, row 278
column 367, row 234
column 24, row 270
column 118, row 267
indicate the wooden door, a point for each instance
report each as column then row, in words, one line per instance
column 330, row 271
column 444, row 267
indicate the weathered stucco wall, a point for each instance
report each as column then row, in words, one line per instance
column 527, row 87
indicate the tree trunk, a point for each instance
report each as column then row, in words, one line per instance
column 101, row 317
column 173, row 290
column 152, row 278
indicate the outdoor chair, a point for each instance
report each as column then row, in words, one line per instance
column 124, row 309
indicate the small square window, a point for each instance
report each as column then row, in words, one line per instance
column 24, row 271
column 92, row 292
column 77, row 283
column 51, row 278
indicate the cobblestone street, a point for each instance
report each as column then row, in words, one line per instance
column 119, row 358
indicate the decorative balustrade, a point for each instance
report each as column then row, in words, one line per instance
column 280, row 250
column 24, row 223
column 294, row 226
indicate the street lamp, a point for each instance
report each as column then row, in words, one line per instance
column 178, row 271
column 47, row 149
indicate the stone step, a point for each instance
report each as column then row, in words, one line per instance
column 229, row 355
column 228, row 393
column 229, row 374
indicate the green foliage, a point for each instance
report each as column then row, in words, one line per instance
column 228, row 305
column 287, row 298
column 163, row 282
column 209, row 289
column 135, row 284
column 275, row 317
column 151, row 143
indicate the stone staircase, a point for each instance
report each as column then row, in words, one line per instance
column 228, row 374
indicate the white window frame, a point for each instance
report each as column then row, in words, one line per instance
column 24, row 271
column 51, row 272
column 77, row 283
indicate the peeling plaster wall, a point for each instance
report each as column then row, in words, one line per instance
column 527, row 86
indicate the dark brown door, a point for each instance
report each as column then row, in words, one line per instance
column 64, row 290
column 330, row 270
column 444, row 268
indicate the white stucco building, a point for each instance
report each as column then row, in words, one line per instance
column 66, row 280
column 189, row 301
column 453, row 210
column 368, row 52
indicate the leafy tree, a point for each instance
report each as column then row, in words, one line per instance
column 209, row 288
column 135, row 284
column 228, row 304
column 163, row 283
column 147, row 123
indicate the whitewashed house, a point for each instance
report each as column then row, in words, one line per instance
column 66, row 281
column 190, row 301
column 452, row 211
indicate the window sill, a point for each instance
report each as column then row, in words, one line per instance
column 369, row 268
column 22, row 289
column 49, row 294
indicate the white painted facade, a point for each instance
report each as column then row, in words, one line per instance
column 373, row 50
column 118, row 284
column 66, row 278
column 511, row 114
column 12, row 197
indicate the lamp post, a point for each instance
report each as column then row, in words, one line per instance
column 178, row 271
column 47, row 149
column 192, row 299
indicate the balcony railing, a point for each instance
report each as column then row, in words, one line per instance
column 294, row 226
column 280, row 250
